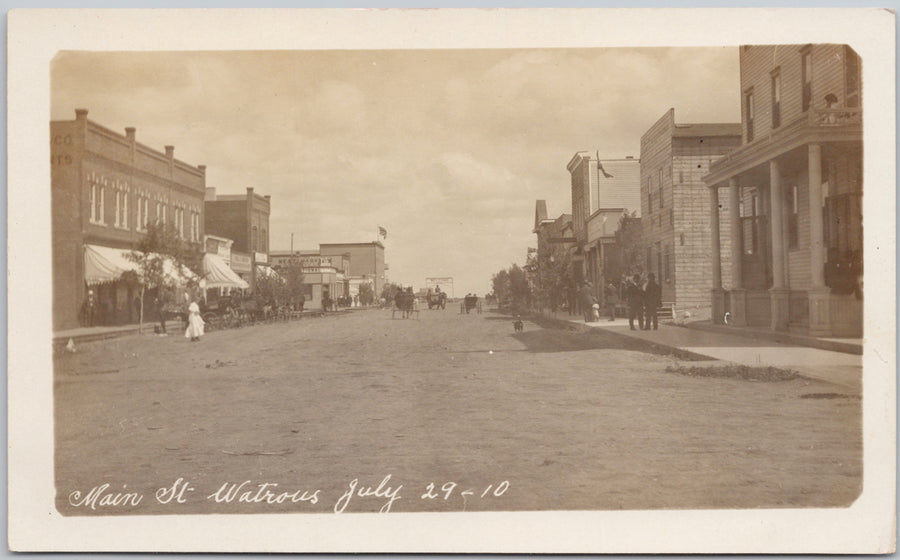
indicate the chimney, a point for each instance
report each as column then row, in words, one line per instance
column 210, row 195
column 129, row 136
column 170, row 153
column 202, row 169
column 81, row 114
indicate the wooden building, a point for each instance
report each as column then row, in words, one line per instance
column 794, row 193
column 675, row 206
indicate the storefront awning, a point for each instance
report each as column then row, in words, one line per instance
column 105, row 264
column 219, row 275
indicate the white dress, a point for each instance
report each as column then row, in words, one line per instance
column 195, row 322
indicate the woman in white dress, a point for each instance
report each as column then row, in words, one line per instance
column 195, row 323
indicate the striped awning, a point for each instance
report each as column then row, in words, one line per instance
column 219, row 275
column 105, row 264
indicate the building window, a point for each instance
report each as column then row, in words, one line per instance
column 195, row 226
column 649, row 258
column 661, row 201
column 776, row 99
column 97, row 206
column 161, row 213
column 749, row 113
column 668, row 268
column 649, row 202
column 851, row 78
column 263, row 241
column 179, row 222
column 254, row 239
column 659, row 261
column 794, row 218
column 121, row 220
column 806, row 69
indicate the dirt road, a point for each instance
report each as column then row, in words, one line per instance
column 285, row 417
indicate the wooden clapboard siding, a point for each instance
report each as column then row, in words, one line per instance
column 757, row 65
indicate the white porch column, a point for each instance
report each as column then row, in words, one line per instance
column 714, row 241
column 718, row 294
column 738, row 295
column 819, row 295
column 779, row 293
column 734, row 209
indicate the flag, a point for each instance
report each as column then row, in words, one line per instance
column 600, row 167
column 382, row 232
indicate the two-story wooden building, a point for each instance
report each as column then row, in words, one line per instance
column 794, row 194
column 675, row 206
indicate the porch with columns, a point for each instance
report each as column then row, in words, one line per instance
column 771, row 305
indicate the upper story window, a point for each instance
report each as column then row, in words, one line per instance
column 121, row 209
column 97, row 203
column 143, row 213
column 852, row 78
column 807, row 73
column 749, row 113
column 254, row 239
column 776, row 98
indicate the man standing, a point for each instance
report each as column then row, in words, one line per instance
column 587, row 301
column 652, row 297
column 612, row 298
column 634, row 295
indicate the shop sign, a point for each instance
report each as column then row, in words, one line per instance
column 260, row 258
column 241, row 262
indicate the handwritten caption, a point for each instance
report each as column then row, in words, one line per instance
column 388, row 492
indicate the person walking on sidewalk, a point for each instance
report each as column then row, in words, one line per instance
column 587, row 301
column 635, row 298
column 652, row 297
column 612, row 298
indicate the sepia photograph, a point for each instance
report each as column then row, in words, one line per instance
column 455, row 283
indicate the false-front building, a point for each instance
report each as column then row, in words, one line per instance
column 794, row 190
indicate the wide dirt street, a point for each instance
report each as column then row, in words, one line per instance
column 548, row 419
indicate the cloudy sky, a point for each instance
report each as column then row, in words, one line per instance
column 447, row 150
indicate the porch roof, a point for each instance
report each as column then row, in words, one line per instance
column 817, row 126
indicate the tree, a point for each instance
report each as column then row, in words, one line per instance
column 161, row 245
column 511, row 288
column 366, row 294
column 389, row 291
column 550, row 269
column 629, row 247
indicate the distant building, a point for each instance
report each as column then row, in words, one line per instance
column 603, row 190
column 675, row 205
column 792, row 235
column 555, row 233
column 323, row 276
column 105, row 189
column 243, row 218
column 366, row 263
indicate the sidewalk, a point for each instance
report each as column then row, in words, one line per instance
column 840, row 368
column 173, row 327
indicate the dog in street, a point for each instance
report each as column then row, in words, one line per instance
column 517, row 325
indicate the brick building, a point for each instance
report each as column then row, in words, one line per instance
column 602, row 191
column 105, row 189
column 792, row 240
column 675, row 206
column 366, row 263
column 243, row 218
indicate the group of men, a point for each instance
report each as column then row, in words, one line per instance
column 642, row 296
